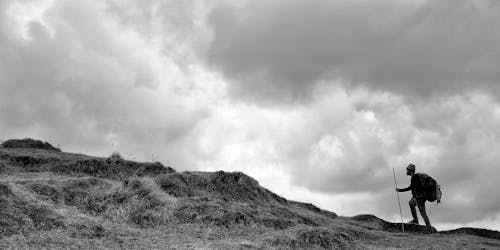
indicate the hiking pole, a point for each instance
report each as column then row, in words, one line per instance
column 399, row 203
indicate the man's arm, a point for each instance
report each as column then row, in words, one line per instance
column 404, row 189
column 413, row 184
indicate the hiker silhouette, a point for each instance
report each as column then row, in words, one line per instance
column 419, row 187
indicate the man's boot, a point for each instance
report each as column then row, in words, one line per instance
column 423, row 213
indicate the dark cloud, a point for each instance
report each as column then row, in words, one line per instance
column 278, row 51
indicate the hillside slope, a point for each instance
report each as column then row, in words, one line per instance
column 52, row 199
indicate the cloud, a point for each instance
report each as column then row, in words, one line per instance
column 277, row 52
column 335, row 145
column 74, row 75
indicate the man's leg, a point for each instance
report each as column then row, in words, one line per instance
column 423, row 213
column 413, row 204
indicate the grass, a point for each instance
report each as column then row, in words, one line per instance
column 194, row 210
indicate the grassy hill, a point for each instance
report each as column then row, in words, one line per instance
column 52, row 199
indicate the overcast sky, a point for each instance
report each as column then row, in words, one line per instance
column 317, row 100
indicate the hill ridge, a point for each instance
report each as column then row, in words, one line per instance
column 106, row 201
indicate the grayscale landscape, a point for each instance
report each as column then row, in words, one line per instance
column 249, row 124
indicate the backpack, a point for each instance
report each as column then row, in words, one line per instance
column 431, row 188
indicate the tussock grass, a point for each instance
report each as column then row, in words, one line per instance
column 138, row 201
column 87, row 228
column 18, row 215
column 141, row 202
column 45, row 191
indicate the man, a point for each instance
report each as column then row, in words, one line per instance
column 418, row 197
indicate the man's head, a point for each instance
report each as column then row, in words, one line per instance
column 410, row 170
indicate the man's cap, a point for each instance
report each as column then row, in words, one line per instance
column 411, row 167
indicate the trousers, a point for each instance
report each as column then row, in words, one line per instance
column 420, row 203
